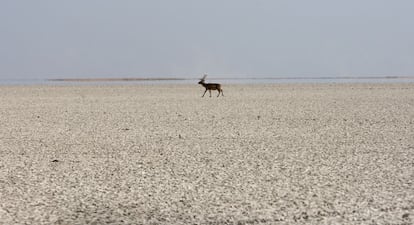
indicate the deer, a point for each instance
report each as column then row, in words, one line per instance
column 210, row 86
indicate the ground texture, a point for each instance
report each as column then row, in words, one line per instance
column 161, row 154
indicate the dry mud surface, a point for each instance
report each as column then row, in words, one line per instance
column 161, row 154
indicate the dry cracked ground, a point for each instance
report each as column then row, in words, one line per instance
column 161, row 154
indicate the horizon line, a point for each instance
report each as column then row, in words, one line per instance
column 102, row 79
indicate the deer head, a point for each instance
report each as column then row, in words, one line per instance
column 202, row 79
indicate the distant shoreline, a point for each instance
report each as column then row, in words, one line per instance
column 125, row 79
column 222, row 79
column 113, row 79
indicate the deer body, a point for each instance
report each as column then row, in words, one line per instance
column 211, row 86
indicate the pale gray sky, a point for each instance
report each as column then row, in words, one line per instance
column 185, row 38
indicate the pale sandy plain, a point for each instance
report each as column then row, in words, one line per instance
column 161, row 154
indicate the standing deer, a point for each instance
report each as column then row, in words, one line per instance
column 211, row 86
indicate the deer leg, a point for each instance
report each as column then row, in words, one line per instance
column 204, row 93
column 218, row 93
column 210, row 92
column 222, row 93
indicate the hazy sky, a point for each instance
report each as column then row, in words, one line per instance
column 185, row 38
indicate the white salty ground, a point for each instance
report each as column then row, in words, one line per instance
column 161, row 154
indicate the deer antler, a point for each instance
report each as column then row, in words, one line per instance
column 204, row 77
